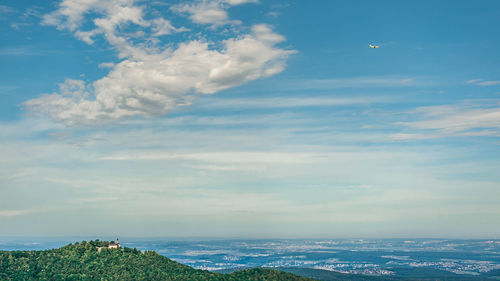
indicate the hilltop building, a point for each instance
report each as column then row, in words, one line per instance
column 112, row 245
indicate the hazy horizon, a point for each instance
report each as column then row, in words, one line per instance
column 97, row 236
column 250, row 118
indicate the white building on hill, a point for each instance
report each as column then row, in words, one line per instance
column 112, row 245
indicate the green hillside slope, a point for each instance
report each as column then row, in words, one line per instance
column 83, row 261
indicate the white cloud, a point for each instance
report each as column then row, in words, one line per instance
column 151, row 81
column 106, row 65
column 111, row 16
column 206, row 12
column 213, row 12
column 70, row 13
column 162, row 26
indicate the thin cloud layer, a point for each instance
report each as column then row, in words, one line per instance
column 12, row 213
column 153, row 80
column 443, row 121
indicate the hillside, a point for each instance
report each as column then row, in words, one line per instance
column 83, row 261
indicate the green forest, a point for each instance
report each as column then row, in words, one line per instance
column 83, row 261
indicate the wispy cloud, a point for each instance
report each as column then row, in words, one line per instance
column 29, row 50
column 172, row 173
column 489, row 83
column 13, row 213
column 28, row 17
column 354, row 82
column 453, row 120
column 5, row 10
column 482, row 82
column 24, row 212
column 20, row 51
column 7, row 89
column 284, row 102
column 221, row 157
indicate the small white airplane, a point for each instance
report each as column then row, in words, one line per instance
column 374, row 46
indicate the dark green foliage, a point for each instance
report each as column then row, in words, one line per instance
column 262, row 274
column 83, row 261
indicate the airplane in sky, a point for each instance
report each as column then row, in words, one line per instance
column 374, row 46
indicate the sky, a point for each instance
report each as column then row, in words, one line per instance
column 250, row 118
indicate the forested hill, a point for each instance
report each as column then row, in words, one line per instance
column 83, row 261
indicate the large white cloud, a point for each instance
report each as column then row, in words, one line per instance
column 151, row 81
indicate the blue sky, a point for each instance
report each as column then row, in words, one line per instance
column 245, row 118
